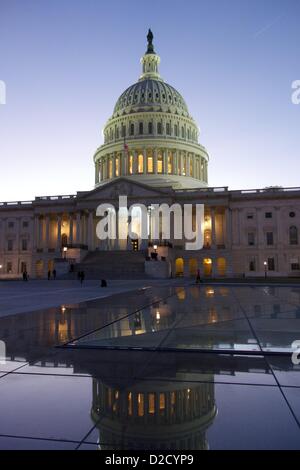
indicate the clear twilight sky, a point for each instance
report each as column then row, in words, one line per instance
column 65, row 63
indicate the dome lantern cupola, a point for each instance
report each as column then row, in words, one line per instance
column 151, row 136
column 150, row 61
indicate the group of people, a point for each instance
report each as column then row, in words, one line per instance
column 53, row 274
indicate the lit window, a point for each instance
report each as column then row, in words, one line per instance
column 130, row 164
column 150, row 164
column 159, row 162
column 130, row 404
column 140, row 163
column 117, row 166
column 184, row 166
column 110, row 168
column 170, row 163
column 140, row 404
column 162, row 402
column 191, row 166
column 151, row 403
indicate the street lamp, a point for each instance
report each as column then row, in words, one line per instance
column 265, row 266
column 65, row 249
column 155, row 248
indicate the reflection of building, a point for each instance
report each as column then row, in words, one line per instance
column 151, row 154
column 153, row 415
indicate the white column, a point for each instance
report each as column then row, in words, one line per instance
column 78, row 228
column 228, row 232
column 155, row 161
column 165, row 162
column 58, row 240
column 213, row 227
column 145, row 161
column 187, row 172
column 135, row 162
column 175, row 171
column 71, row 229
column 91, row 230
column 47, row 233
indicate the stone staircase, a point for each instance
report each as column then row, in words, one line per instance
column 113, row 265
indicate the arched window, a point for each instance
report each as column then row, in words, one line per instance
column 141, row 128
column 168, row 128
column 176, row 130
column 132, row 129
column 293, row 232
column 182, row 132
column 159, row 128
column 150, row 128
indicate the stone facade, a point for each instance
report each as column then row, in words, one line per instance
column 151, row 154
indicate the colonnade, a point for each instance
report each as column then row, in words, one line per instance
column 150, row 161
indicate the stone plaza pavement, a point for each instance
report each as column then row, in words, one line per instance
column 19, row 296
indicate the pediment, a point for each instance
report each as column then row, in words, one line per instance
column 123, row 187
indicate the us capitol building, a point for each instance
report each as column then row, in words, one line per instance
column 152, row 154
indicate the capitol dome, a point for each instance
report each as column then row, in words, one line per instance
column 151, row 136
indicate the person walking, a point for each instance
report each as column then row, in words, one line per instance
column 82, row 277
column 54, row 273
column 198, row 278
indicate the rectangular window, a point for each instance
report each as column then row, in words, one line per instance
column 141, row 128
column 251, row 238
column 159, row 163
column 141, row 163
column 23, row 267
column 150, row 128
column 170, row 166
column 151, row 403
column 131, row 129
column 117, row 166
column 184, row 166
column 249, row 216
column 159, row 128
column 176, row 130
column 252, row 265
column 110, row 168
column 295, row 266
column 270, row 238
column 25, row 224
column 268, row 215
column 24, row 244
column 140, row 398
column 131, row 164
column 150, row 164
column 168, row 129
column 271, row 264
column 9, row 267
column 11, row 224
column 10, row 245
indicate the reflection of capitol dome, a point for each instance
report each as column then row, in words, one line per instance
column 151, row 136
column 156, row 415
